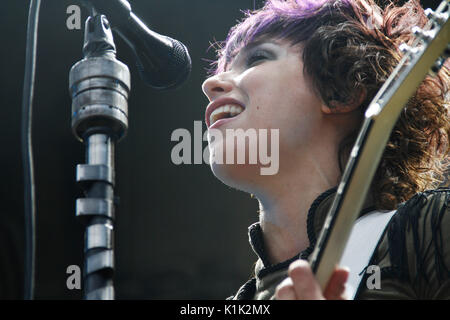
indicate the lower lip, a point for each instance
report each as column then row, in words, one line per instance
column 220, row 122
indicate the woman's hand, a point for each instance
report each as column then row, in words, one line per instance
column 302, row 285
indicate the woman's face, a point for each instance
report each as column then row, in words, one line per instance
column 266, row 79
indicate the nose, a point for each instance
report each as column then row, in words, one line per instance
column 216, row 85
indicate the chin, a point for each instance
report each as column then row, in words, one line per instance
column 244, row 170
column 242, row 177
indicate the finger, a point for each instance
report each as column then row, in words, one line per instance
column 285, row 290
column 305, row 284
column 335, row 289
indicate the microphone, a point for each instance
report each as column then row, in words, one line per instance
column 162, row 62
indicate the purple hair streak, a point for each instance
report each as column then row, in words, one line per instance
column 294, row 20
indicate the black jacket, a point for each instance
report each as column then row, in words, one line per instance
column 413, row 254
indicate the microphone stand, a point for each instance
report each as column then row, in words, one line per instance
column 99, row 85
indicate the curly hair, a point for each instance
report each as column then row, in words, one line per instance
column 350, row 47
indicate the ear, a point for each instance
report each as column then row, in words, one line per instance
column 337, row 107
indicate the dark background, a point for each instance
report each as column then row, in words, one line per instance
column 179, row 232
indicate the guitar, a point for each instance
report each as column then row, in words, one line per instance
column 379, row 120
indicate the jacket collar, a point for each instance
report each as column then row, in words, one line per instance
column 315, row 220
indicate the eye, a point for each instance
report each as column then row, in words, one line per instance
column 256, row 57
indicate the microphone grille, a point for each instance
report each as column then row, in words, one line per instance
column 180, row 64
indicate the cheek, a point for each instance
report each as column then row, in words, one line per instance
column 289, row 110
column 280, row 98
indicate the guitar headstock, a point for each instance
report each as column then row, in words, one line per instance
column 440, row 15
column 437, row 19
column 429, row 50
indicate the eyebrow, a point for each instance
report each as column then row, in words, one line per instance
column 256, row 43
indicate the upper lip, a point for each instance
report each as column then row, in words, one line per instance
column 218, row 103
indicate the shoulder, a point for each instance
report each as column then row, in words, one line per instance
column 418, row 237
column 423, row 206
column 414, row 252
column 427, row 200
column 426, row 209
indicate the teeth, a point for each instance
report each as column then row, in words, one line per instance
column 224, row 112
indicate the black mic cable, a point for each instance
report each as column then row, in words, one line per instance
column 27, row 150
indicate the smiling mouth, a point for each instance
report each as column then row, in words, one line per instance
column 225, row 111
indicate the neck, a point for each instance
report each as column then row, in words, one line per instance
column 284, row 207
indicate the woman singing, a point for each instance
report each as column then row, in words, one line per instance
column 309, row 69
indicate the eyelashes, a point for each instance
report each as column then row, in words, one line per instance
column 249, row 58
column 256, row 57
